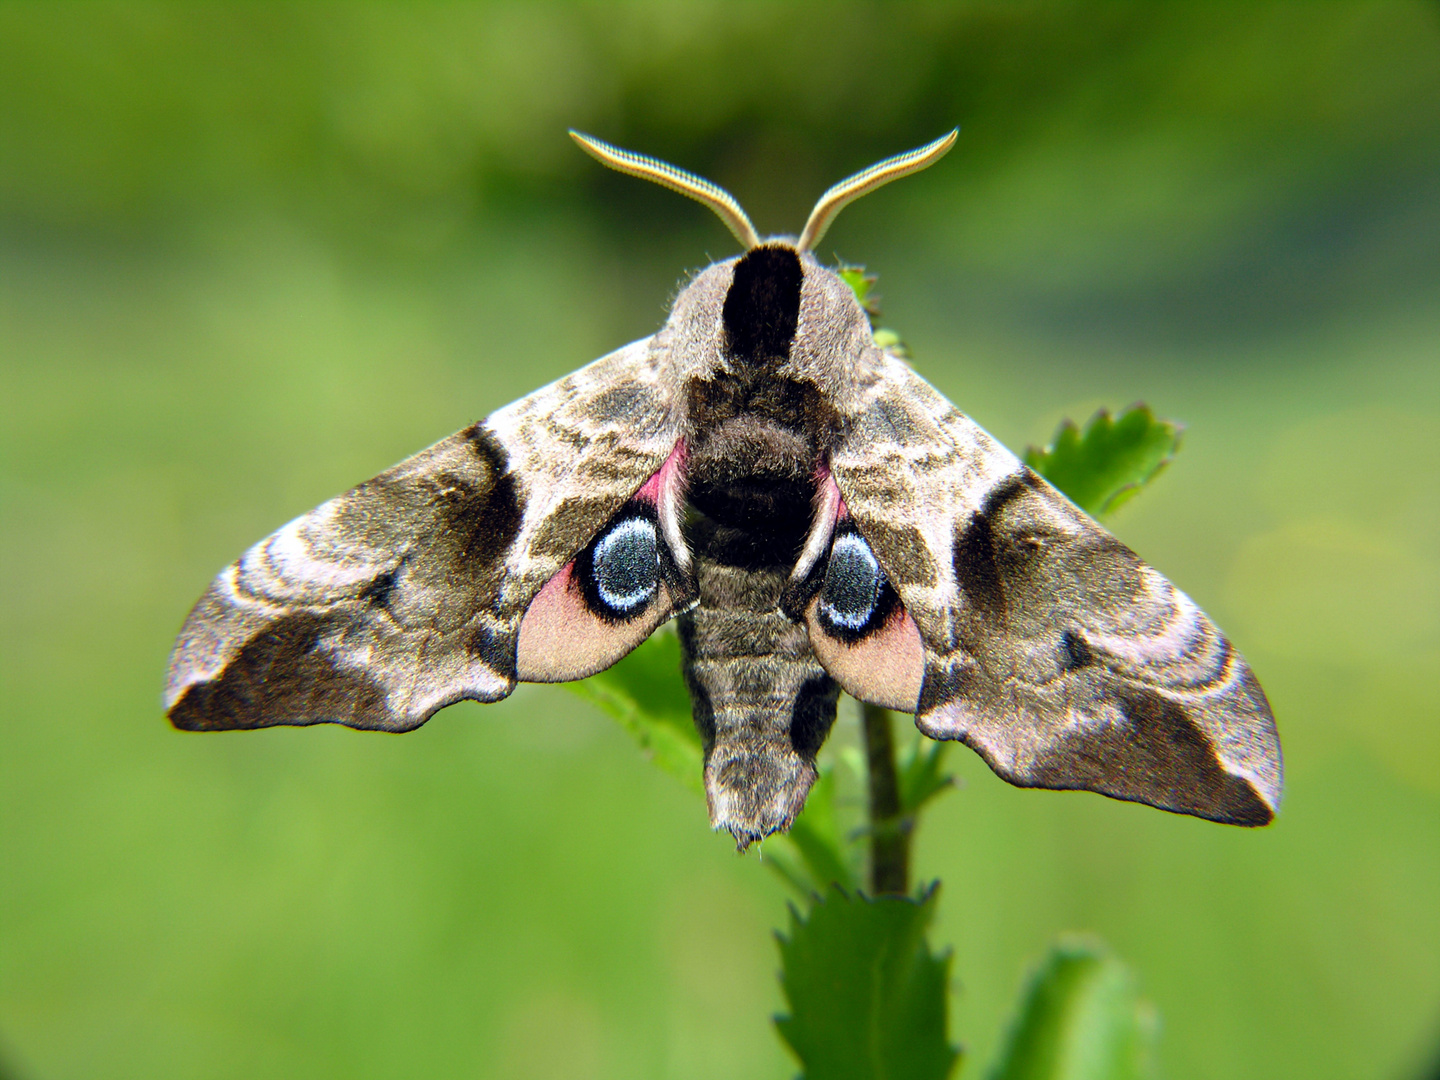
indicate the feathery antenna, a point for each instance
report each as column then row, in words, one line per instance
column 701, row 190
column 862, row 183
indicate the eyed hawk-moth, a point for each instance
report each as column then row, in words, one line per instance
column 816, row 516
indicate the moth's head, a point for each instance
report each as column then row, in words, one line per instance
column 775, row 302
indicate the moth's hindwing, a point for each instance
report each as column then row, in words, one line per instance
column 859, row 630
column 1048, row 646
column 630, row 578
column 408, row 593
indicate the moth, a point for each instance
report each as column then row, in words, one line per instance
column 816, row 516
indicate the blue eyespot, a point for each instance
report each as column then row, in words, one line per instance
column 852, row 583
column 626, row 565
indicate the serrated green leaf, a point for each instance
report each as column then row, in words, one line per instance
column 646, row 693
column 1102, row 467
column 1081, row 1019
column 868, row 999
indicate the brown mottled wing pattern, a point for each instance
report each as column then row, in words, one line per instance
column 1050, row 647
column 405, row 594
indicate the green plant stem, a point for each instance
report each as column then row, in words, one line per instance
column 889, row 831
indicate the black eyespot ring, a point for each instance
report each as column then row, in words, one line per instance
column 619, row 572
column 855, row 599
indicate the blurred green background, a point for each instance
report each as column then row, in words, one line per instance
column 253, row 254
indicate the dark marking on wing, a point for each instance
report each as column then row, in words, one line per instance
column 380, row 587
column 1008, row 490
column 628, row 401
column 485, row 519
column 988, row 558
column 613, row 463
column 578, row 439
column 908, row 429
column 497, row 651
column 946, row 683
column 571, row 526
column 309, row 687
column 903, row 551
column 1220, row 669
column 486, row 447
column 1074, row 652
column 762, row 306
column 977, row 570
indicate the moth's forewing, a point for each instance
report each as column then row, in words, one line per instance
column 1049, row 646
column 357, row 613
column 407, row 593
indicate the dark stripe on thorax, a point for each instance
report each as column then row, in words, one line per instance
column 762, row 306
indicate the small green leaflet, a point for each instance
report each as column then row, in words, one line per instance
column 863, row 286
column 1102, row 467
column 1081, row 1019
column 867, row 997
column 922, row 775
